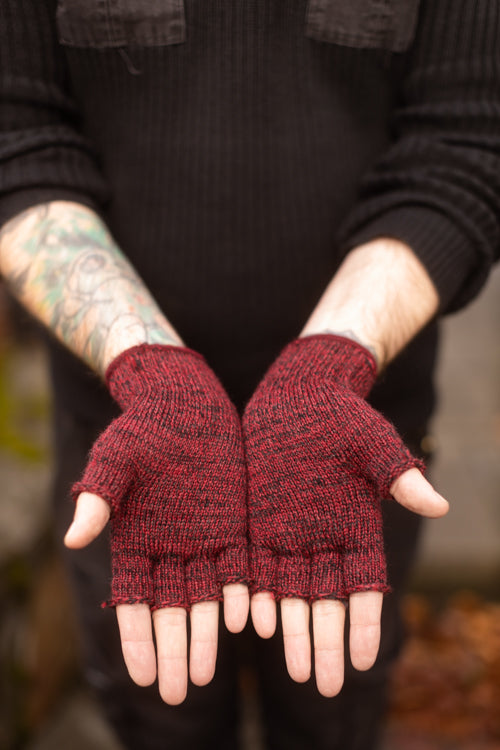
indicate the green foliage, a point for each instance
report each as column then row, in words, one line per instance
column 19, row 414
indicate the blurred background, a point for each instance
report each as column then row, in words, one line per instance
column 446, row 688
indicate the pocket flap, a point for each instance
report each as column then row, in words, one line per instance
column 119, row 23
column 376, row 24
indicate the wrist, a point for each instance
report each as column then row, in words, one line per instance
column 381, row 296
column 136, row 336
column 373, row 350
column 321, row 358
column 149, row 367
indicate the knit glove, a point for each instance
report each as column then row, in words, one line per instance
column 172, row 469
column 319, row 459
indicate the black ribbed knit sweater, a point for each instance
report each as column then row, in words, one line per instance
column 237, row 150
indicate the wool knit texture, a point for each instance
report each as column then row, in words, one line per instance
column 320, row 460
column 172, row 469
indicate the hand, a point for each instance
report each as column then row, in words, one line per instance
column 170, row 473
column 134, row 620
column 319, row 461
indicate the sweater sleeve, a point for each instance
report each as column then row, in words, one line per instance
column 43, row 154
column 437, row 187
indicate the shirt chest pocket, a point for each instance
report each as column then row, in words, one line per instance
column 120, row 23
column 370, row 24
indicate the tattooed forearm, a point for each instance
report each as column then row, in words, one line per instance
column 63, row 265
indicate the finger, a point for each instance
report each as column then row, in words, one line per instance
column 365, row 609
column 236, row 604
column 134, row 622
column 296, row 639
column 263, row 609
column 328, row 628
column 171, row 643
column 413, row 491
column 203, row 651
column 91, row 516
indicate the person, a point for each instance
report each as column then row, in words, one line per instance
column 300, row 189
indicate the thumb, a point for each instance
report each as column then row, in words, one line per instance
column 91, row 516
column 412, row 490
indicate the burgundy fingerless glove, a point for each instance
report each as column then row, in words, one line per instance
column 320, row 459
column 172, row 469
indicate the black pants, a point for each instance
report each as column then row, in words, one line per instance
column 295, row 716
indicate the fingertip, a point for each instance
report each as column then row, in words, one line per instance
column 71, row 536
column 236, row 606
column 173, row 695
column 91, row 516
column 171, row 645
column 331, row 688
column 329, row 691
column 439, row 508
column 328, row 629
column 204, row 637
column 297, row 671
column 78, row 536
column 296, row 638
column 202, row 678
column 134, row 622
column 414, row 492
column 146, row 676
column 331, row 684
column 363, row 659
column 364, row 637
column 263, row 611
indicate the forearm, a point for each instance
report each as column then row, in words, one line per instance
column 61, row 262
column 381, row 296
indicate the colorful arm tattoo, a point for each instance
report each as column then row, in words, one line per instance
column 61, row 262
